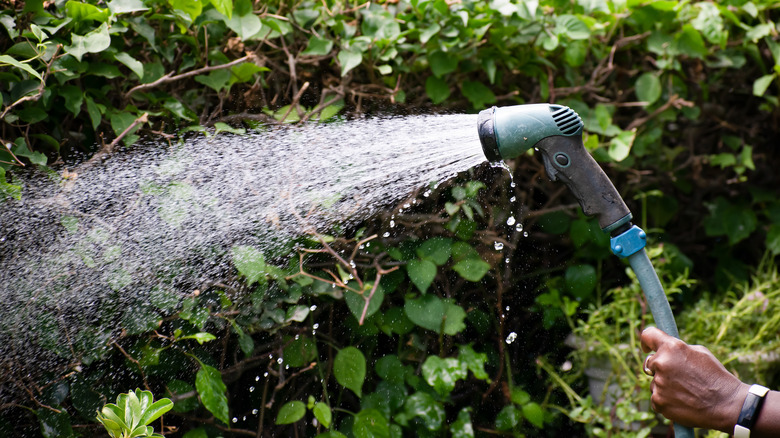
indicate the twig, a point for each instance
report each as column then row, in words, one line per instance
column 675, row 101
column 295, row 100
column 109, row 148
column 135, row 361
column 170, row 78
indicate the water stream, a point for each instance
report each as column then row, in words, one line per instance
column 85, row 251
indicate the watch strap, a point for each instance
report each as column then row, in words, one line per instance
column 750, row 410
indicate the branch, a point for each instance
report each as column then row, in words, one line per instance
column 169, row 78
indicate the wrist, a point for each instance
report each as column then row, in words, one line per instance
column 751, row 409
column 731, row 408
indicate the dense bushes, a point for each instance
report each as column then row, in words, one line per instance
column 438, row 329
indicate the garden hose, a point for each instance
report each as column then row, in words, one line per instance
column 556, row 132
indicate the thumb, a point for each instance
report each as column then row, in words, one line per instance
column 652, row 338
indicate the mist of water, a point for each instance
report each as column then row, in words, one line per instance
column 166, row 216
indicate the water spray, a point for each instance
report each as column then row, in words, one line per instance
column 556, row 132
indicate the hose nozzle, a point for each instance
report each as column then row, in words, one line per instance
column 556, row 131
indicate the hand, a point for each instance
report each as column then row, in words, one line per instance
column 690, row 386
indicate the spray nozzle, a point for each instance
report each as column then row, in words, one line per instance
column 556, row 132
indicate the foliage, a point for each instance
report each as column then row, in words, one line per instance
column 131, row 415
column 417, row 331
column 607, row 352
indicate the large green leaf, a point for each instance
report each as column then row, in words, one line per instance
column 436, row 249
column 246, row 26
column 370, row 423
column 437, row 89
column 472, row 269
column 323, row 414
column 349, row 59
column 357, row 302
column 212, row 391
column 133, row 64
column 443, row 374
column 6, row 59
column 474, row 361
column 93, row 42
column 291, row 412
column 433, row 313
column 349, row 368
column 55, row 425
column 442, row 63
column 249, row 262
column 126, row 6
column 427, row 409
column 478, row 94
column 421, row 273
column 648, row 88
column 462, row 427
column 736, row 221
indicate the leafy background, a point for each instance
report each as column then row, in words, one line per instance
column 440, row 330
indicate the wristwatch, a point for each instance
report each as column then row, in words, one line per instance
column 750, row 410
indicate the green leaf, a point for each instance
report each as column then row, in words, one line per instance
column 53, row 424
column 534, row 413
column 5, row 59
column 436, row 250
column 690, row 42
column 216, row 79
column 442, row 63
column 478, row 94
column 156, row 410
column 454, row 316
column 443, row 374
column 349, row 368
column 246, row 26
column 426, row 311
column 620, row 145
column 462, row 427
column 761, row 84
column 249, row 262
column 133, row 64
column 357, row 302
column 437, row 89
column 84, row 11
column 508, row 418
column 331, row 434
column 300, row 352
column 736, row 221
column 126, row 6
column 472, row 269
column 648, row 88
column 581, row 280
column 773, row 239
column 201, row 337
column 423, row 406
column 93, row 42
column 474, row 361
column 323, row 414
column 318, row 46
column 421, row 273
column 349, row 59
column 224, row 7
column 291, row 412
column 391, row 369
column 212, row 391
column 572, row 27
column 74, row 98
column 370, row 423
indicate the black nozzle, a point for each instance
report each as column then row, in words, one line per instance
column 487, row 135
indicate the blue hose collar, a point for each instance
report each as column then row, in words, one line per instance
column 629, row 242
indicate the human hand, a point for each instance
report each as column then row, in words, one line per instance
column 690, row 386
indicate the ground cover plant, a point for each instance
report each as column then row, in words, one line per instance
column 444, row 317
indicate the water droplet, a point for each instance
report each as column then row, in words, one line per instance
column 368, row 244
column 387, row 234
column 506, row 260
column 507, row 308
column 316, row 326
column 287, row 367
column 270, row 356
column 427, row 193
column 511, row 338
column 265, row 374
column 392, row 224
column 513, row 199
column 407, row 205
column 525, row 233
column 244, row 418
column 251, row 389
column 519, row 227
column 257, row 378
column 255, row 411
column 352, row 263
column 235, row 420
column 280, row 361
column 566, row 366
column 511, row 221
column 297, row 337
column 313, row 308
column 512, row 184
column 498, row 246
